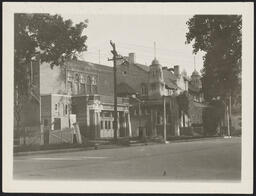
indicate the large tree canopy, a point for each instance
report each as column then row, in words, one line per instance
column 221, row 38
column 47, row 38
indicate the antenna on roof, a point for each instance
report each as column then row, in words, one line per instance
column 154, row 50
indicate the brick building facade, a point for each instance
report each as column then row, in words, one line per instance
column 85, row 90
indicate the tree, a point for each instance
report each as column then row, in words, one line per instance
column 183, row 102
column 47, row 38
column 220, row 37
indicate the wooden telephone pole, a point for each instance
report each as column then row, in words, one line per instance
column 114, row 59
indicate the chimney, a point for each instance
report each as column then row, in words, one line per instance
column 132, row 58
column 176, row 70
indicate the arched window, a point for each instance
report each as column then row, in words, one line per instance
column 144, row 90
column 76, row 87
column 89, row 84
column 94, row 85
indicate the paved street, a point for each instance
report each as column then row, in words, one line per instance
column 214, row 159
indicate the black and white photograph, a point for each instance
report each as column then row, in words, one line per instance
column 129, row 97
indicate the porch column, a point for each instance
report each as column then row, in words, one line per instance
column 97, row 124
column 129, row 124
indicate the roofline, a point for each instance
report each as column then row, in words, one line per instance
column 140, row 67
column 54, row 94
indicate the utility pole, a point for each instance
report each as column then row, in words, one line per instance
column 164, row 121
column 230, row 120
column 114, row 59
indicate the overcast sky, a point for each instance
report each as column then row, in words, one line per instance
column 137, row 33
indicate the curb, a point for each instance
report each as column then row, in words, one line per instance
column 194, row 139
column 101, row 147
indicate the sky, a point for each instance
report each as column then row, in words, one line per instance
column 137, row 33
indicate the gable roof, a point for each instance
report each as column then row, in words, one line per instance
column 125, row 89
column 82, row 65
column 143, row 67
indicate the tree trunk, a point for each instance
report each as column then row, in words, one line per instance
column 183, row 119
column 230, row 121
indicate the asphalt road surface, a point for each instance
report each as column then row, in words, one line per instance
column 214, row 159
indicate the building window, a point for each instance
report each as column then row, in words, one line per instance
column 153, row 87
column 82, row 79
column 69, row 86
column 101, row 125
column 74, row 109
column 45, row 122
column 89, row 83
column 82, row 88
column 66, row 109
column 69, row 76
column 56, row 107
column 106, row 124
column 77, row 80
column 94, row 89
column 93, row 79
column 57, row 124
column 63, row 109
column 144, row 90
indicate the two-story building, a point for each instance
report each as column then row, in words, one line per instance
column 85, row 91
column 151, row 85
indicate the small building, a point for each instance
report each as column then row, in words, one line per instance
column 95, row 116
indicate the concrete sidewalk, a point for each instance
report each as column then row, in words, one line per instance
column 109, row 146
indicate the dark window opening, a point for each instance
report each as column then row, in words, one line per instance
column 57, row 124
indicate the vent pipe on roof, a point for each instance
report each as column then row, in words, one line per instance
column 176, row 70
